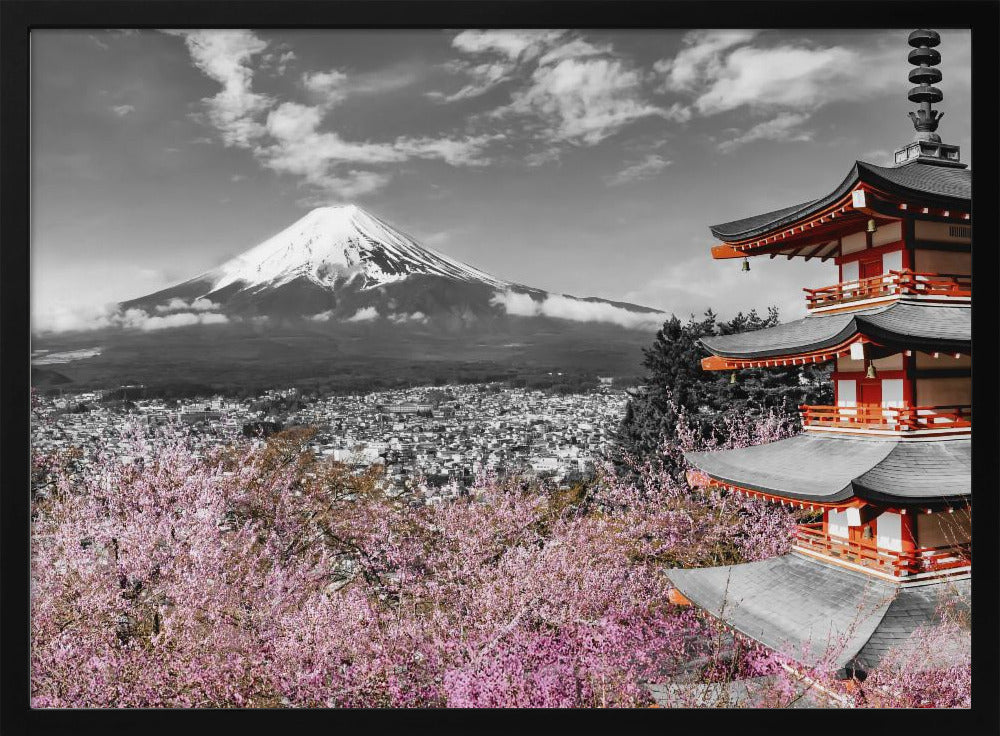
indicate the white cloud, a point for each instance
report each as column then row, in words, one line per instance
column 284, row 60
column 109, row 316
column 403, row 318
column 586, row 100
column 725, row 70
column 484, row 78
column 299, row 148
column 649, row 167
column 122, row 110
column 700, row 58
column 560, row 306
column 287, row 137
column 225, row 56
column 322, row 316
column 505, row 50
column 72, row 318
column 454, row 151
column 365, row 314
column 177, row 305
column 291, row 121
column 781, row 128
column 329, row 86
column 574, row 49
column 783, row 76
column 180, row 319
column 512, row 44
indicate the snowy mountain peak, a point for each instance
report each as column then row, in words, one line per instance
column 338, row 244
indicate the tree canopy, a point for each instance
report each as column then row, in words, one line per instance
column 675, row 383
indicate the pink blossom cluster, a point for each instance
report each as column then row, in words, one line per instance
column 265, row 577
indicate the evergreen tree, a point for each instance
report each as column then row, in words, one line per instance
column 675, row 382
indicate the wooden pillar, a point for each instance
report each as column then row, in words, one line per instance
column 909, row 243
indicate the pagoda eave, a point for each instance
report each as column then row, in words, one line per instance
column 832, row 470
column 904, row 325
column 812, row 611
column 922, row 190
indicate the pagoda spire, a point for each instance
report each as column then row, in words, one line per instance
column 925, row 57
column 926, row 146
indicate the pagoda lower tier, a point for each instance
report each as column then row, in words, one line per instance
column 820, row 614
column 888, row 507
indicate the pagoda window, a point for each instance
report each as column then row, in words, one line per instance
column 942, row 529
column 928, row 260
column 944, row 391
column 892, row 261
column 942, row 232
column 892, row 393
column 886, row 234
column 849, row 272
column 847, row 392
column 836, row 524
column 890, row 531
column 853, row 243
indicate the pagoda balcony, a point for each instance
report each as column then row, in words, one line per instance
column 943, row 286
column 952, row 419
column 921, row 563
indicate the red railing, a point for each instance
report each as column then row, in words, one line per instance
column 896, row 419
column 904, row 281
column 921, row 560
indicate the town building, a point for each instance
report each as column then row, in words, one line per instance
column 886, row 470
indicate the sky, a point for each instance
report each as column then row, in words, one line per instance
column 581, row 162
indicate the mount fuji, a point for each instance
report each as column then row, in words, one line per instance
column 343, row 298
column 346, row 264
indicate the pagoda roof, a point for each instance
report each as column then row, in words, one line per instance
column 913, row 325
column 803, row 608
column 943, row 185
column 881, row 469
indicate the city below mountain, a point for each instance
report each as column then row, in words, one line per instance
column 341, row 289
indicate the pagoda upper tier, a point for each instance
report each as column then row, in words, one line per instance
column 900, row 326
column 931, row 192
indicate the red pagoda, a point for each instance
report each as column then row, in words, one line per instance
column 886, row 470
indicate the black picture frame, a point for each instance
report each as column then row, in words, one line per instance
column 19, row 17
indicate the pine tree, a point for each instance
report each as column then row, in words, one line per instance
column 675, row 382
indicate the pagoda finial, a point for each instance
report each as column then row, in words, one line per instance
column 925, row 57
column 926, row 146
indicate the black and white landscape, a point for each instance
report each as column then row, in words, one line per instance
column 340, row 287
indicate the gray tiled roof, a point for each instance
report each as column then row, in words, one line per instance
column 912, row 608
column 952, row 186
column 903, row 324
column 829, row 468
column 920, row 470
column 793, row 604
column 806, row 608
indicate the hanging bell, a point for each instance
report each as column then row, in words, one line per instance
column 870, row 373
column 871, row 226
column 746, row 265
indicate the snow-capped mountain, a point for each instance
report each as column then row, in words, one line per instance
column 343, row 264
column 338, row 244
